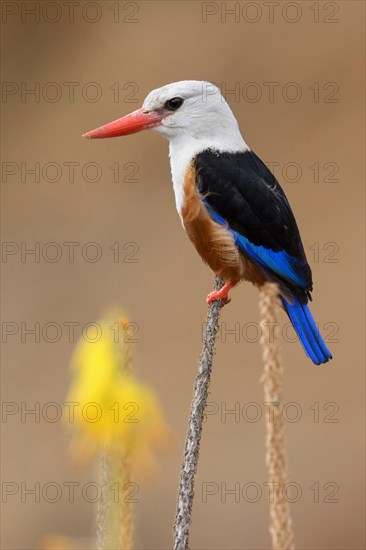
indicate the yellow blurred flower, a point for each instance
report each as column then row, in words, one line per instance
column 112, row 410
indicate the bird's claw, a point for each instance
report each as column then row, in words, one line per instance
column 218, row 295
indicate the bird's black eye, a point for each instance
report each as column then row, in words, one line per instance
column 174, row 103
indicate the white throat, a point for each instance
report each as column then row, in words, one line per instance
column 202, row 121
column 183, row 149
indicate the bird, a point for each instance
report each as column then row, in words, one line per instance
column 230, row 204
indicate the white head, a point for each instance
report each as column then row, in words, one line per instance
column 192, row 115
column 194, row 110
column 189, row 110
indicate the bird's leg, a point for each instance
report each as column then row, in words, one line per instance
column 222, row 294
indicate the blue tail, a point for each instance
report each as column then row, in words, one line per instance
column 307, row 331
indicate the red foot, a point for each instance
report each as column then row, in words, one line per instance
column 222, row 294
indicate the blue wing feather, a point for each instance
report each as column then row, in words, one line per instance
column 281, row 263
column 285, row 265
column 242, row 195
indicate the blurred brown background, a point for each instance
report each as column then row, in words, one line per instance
column 87, row 73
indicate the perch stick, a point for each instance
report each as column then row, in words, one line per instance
column 280, row 519
column 196, row 418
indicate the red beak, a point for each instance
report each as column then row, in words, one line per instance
column 129, row 124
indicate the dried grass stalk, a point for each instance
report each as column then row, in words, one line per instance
column 114, row 515
column 280, row 519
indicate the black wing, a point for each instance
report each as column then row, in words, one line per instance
column 238, row 189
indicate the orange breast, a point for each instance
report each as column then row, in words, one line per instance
column 213, row 242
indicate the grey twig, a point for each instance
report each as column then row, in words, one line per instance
column 196, row 418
